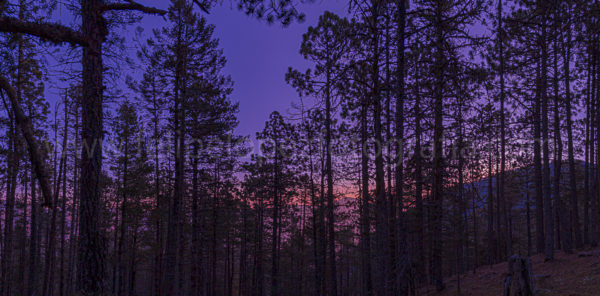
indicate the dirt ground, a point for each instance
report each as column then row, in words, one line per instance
column 567, row 275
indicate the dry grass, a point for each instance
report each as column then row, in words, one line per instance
column 567, row 275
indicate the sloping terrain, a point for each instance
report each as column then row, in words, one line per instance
column 568, row 275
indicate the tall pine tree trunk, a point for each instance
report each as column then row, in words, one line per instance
column 157, row 272
column 490, row 196
column 501, row 183
column 313, row 201
column 275, row 231
column 330, row 197
column 564, row 225
column 73, row 233
column 7, row 247
column 90, row 257
column 475, row 231
column 196, row 248
column 418, row 175
column 173, row 236
column 438, row 154
column 572, row 171
column 61, row 282
column 123, row 235
column 365, row 212
column 537, row 163
column 32, row 279
column 402, row 256
column 381, row 207
column 588, row 146
column 12, row 171
column 49, row 268
column 13, row 165
column 548, row 221
column 594, row 227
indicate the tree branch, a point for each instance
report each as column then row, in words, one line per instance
column 202, row 6
column 26, row 127
column 50, row 32
column 132, row 5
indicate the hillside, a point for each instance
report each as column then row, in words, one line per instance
column 570, row 275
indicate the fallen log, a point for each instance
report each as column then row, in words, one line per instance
column 589, row 253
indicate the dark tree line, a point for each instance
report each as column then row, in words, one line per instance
column 428, row 140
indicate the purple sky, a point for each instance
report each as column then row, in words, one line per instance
column 258, row 55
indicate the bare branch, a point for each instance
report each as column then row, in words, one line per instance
column 51, row 32
column 26, row 127
column 132, row 5
column 202, row 6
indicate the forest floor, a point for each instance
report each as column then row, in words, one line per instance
column 567, row 275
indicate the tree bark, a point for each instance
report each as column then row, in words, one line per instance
column 586, row 198
column 7, row 262
column 501, row 182
column 548, row 222
column 564, row 225
column 490, row 196
column 173, row 235
column 537, row 163
column 196, row 246
column 275, row 232
column 572, row 171
column 418, row 154
column 61, row 282
column 123, row 236
column 381, row 207
column 49, row 269
column 330, row 197
column 26, row 127
column 32, row 278
column 438, row 154
column 594, row 227
column 366, row 268
column 402, row 257
column 73, row 233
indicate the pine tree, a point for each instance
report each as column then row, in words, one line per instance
column 277, row 135
column 327, row 45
